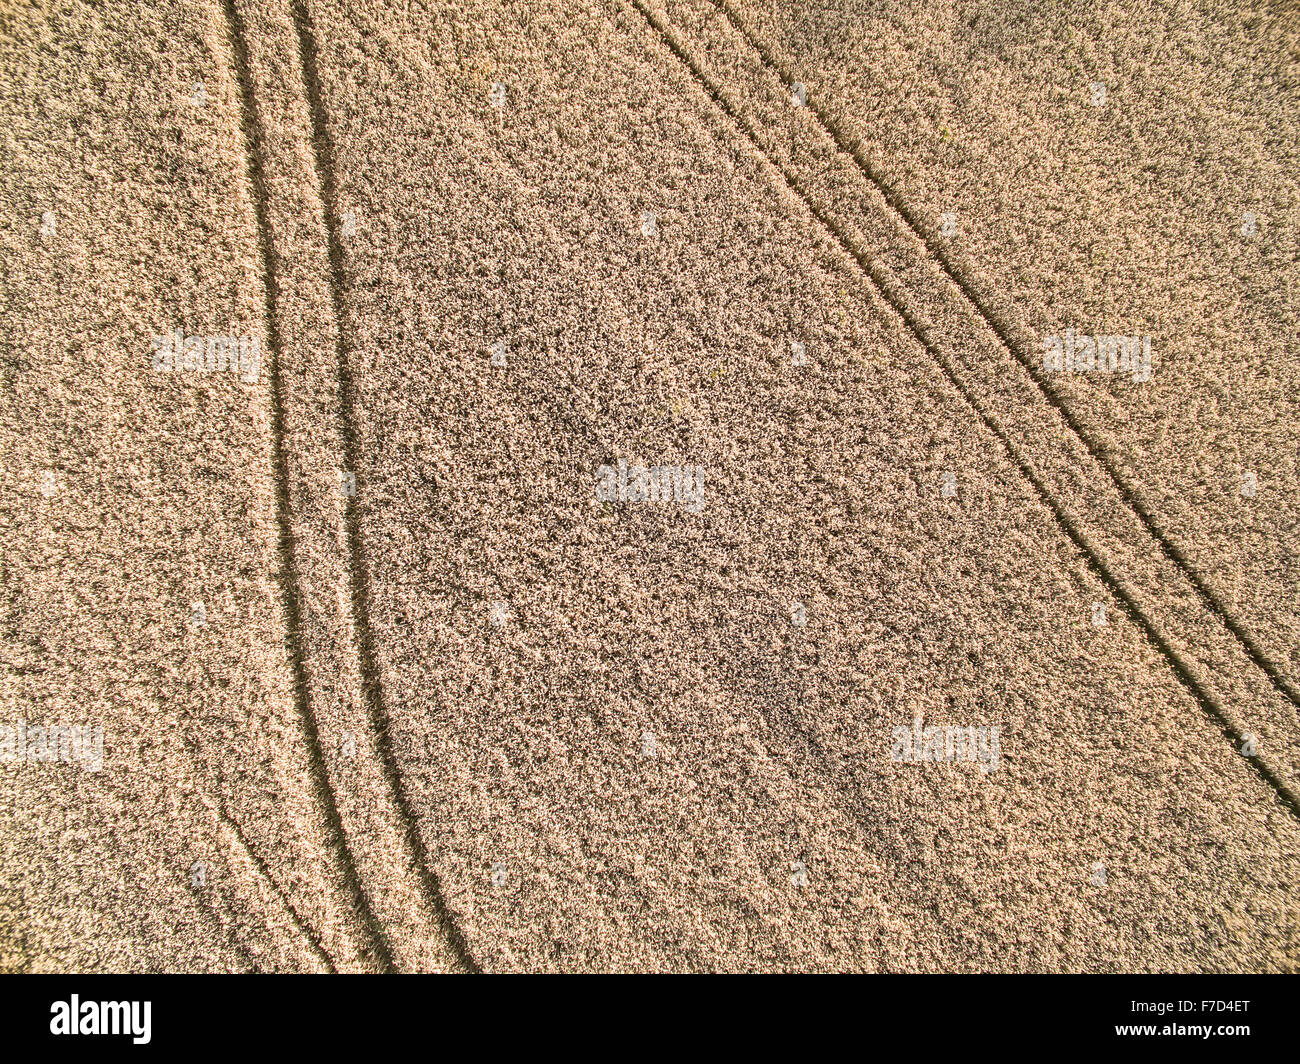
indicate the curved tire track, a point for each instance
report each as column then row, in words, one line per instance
column 375, row 944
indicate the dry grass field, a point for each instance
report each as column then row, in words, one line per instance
column 621, row 485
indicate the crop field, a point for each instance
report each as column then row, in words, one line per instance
column 649, row 485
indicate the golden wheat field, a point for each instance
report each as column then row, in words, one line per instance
column 650, row 486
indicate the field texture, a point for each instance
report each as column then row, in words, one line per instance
column 613, row 485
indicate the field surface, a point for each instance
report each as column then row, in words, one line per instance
column 923, row 653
